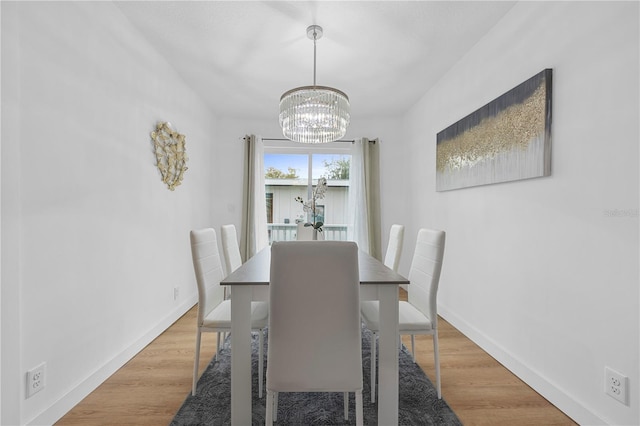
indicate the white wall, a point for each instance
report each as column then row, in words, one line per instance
column 543, row 273
column 93, row 243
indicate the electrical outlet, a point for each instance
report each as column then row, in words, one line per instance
column 176, row 293
column 35, row 380
column 616, row 385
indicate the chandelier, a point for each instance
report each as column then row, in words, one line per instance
column 314, row 114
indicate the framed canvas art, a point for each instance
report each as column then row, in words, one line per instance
column 507, row 139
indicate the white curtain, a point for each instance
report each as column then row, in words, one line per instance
column 254, row 213
column 364, row 202
column 371, row 156
column 358, row 216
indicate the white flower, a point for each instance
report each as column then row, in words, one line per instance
column 309, row 206
column 320, row 189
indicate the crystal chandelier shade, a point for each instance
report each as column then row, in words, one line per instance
column 314, row 114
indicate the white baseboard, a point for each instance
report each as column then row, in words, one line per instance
column 563, row 401
column 77, row 394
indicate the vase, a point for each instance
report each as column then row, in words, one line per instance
column 315, row 234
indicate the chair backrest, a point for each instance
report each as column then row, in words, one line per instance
column 314, row 319
column 394, row 248
column 230, row 248
column 424, row 274
column 208, row 269
column 305, row 233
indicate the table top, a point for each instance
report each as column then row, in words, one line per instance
column 255, row 271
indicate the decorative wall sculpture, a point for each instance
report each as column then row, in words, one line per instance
column 171, row 154
column 507, row 139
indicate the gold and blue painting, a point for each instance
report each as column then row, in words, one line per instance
column 507, row 139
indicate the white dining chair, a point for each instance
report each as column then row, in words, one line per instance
column 305, row 233
column 419, row 314
column 391, row 260
column 231, row 251
column 314, row 325
column 394, row 247
column 233, row 260
column 214, row 312
column 230, row 248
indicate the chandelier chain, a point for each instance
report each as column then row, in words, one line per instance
column 315, row 37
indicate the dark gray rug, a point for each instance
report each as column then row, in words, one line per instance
column 419, row 404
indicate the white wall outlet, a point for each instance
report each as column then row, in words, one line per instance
column 36, row 380
column 616, row 385
column 176, row 293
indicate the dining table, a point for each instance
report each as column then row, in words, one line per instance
column 250, row 281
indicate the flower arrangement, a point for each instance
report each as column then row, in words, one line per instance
column 309, row 206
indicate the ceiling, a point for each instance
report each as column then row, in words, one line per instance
column 240, row 56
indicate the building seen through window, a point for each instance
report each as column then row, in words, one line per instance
column 291, row 173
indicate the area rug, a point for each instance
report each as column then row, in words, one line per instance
column 418, row 404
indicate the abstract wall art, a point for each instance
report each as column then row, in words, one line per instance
column 507, row 139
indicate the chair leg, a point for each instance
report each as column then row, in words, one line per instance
column 260, row 361
column 269, row 408
column 218, row 345
column 359, row 409
column 436, row 360
column 373, row 367
column 413, row 347
column 275, row 406
column 196, row 361
column 346, row 405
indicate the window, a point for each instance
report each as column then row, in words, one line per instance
column 291, row 171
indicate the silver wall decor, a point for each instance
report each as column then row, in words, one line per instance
column 507, row 139
column 171, row 154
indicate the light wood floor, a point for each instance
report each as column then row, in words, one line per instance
column 150, row 388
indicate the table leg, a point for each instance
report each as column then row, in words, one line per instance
column 388, row 395
column 241, row 355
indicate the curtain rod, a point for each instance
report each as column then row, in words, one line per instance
column 288, row 140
